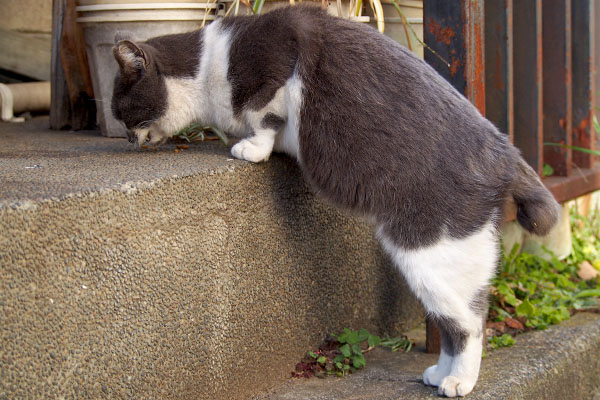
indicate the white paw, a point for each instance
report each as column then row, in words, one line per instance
column 452, row 386
column 246, row 150
column 433, row 375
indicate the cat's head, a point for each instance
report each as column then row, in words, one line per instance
column 140, row 93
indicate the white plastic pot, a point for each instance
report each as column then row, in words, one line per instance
column 102, row 19
column 20, row 97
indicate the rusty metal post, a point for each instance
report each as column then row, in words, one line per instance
column 583, row 37
column 433, row 341
column 455, row 31
column 528, row 78
column 557, row 71
column 474, row 28
column 499, row 65
column 595, row 13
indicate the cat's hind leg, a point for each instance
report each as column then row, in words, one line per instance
column 451, row 278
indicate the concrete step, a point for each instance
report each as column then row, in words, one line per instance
column 560, row 363
column 163, row 274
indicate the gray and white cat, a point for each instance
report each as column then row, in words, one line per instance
column 374, row 129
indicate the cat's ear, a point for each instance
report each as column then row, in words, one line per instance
column 130, row 56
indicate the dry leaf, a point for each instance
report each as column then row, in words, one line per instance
column 586, row 271
column 515, row 324
column 499, row 326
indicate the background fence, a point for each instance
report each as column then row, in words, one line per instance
column 529, row 66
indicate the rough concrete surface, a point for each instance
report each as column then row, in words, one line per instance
column 119, row 280
column 560, row 363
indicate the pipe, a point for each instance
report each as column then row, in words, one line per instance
column 21, row 97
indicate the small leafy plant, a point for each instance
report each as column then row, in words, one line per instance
column 197, row 132
column 505, row 340
column 586, row 239
column 344, row 353
column 547, row 170
column 533, row 293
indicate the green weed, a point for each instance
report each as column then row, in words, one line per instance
column 344, row 353
column 197, row 132
column 505, row 340
column 533, row 293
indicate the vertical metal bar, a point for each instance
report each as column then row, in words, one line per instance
column 455, row 31
column 556, row 42
column 474, row 28
column 595, row 34
column 60, row 107
column 443, row 32
column 433, row 341
column 499, row 65
column 583, row 80
column 527, row 31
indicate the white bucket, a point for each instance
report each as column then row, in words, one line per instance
column 102, row 19
column 145, row 12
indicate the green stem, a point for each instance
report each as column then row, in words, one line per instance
column 566, row 146
column 257, row 7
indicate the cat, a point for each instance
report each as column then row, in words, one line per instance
column 374, row 129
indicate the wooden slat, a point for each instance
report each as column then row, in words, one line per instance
column 581, row 181
column 583, row 80
column 556, row 27
column 26, row 54
column 77, row 71
column 72, row 105
column 60, row 108
column 499, row 65
column 528, row 78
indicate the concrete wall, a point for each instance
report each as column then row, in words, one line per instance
column 210, row 287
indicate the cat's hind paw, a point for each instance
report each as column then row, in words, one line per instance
column 452, row 386
column 246, row 150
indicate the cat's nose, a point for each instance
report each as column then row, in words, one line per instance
column 131, row 136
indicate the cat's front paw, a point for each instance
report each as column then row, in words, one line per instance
column 246, row 150
column 433, row 375
column 452, row 386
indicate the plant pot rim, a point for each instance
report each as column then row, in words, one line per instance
column 144, row 12
column 145, row 6
column 95, row 2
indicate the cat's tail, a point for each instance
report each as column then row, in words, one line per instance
column 537, row 210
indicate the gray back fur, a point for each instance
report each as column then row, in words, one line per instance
column 381, row 133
